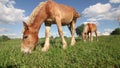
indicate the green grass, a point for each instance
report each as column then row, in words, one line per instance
column 102, row 54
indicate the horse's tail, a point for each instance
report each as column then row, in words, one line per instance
column 76, row 15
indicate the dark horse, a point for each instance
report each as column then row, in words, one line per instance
column 48, row 12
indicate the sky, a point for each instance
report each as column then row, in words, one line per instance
column 104, row 13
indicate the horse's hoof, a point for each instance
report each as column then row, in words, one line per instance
column 45, row 49
column 72, row 44
column 64, row 47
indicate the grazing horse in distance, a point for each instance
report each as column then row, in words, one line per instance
column 88, row 31
column 48, row 12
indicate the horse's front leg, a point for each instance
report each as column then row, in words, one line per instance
column 73, row 32
column 59, row 25
column 91, row 36
column 47, row 40
column 88, row 37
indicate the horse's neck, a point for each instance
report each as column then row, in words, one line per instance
column 40, row 18
column 85, row 29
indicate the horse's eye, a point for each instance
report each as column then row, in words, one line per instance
column 25, row 36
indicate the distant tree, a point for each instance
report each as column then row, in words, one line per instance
column 52, row 37
column 4, row 38
column 79, row 30
column 116, row 32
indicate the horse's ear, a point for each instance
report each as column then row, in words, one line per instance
column 25, row 25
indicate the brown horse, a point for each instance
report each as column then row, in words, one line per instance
column 89, row 28
column 49, row 12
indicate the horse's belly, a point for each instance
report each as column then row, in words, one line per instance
column 66, row 21
column 63, row 21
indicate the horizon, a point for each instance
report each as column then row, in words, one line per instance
column 103, row 13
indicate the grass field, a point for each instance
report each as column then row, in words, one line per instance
column 102, row 54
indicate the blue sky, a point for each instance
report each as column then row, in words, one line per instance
column 102, row 12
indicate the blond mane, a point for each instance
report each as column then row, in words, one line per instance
column 85, row 28
column 35, row 12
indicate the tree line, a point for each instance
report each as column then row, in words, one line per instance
column 4, row 38
column 79, row 31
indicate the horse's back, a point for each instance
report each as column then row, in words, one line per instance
column 92, row 27
column 66, row 13
column 62, row 7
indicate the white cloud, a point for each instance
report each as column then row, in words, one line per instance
column 101, row 12
column 12, row 35
column 98, row 33
column 7, row 32
column 94, row 22
column 9, row 14
column 96, row 9
column 114, row 1
column 25, row 19
column 107, row 31
column 4, row 30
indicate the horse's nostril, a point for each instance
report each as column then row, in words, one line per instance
column 25, row 36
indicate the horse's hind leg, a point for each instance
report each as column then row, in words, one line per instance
column 47, row 40
column 73, row 32
column 58, row 21
column 69, row 27
column 96, row 35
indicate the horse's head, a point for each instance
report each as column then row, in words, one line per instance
column 85, row 32
column 84, row 36
column 30, row 38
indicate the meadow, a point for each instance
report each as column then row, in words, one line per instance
column 102, row 54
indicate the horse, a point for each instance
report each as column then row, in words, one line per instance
column 88, row 31
column 48, row 12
